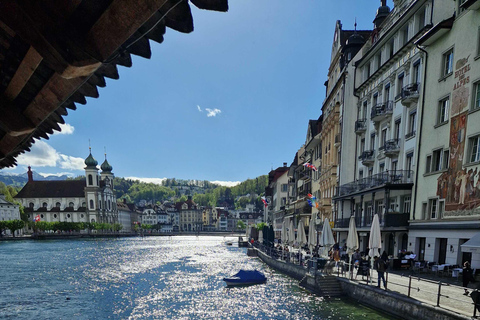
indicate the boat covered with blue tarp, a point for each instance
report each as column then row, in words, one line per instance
column 245, row 278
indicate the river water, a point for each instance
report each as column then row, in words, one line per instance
column 150, row 278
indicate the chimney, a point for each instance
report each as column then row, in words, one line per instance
column 284, row 164
column 30, row 174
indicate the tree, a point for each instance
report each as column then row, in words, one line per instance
column 3, row 226
column 259, row 226
column 15, row 225
column 117, row 227
column 241, row 225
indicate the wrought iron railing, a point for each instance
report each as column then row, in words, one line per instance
column 381, row 109
column 360, row 125
column 376, row 180
column 390, row 145
column 410, row 91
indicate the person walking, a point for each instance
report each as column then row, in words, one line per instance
column 381, row 267
column 467, row 276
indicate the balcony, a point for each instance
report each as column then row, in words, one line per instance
column 376, row 180
column 367, row 157
column 360, row 126
column 381, row 111
column 396, row 219
column 342, row 223
column 338, row 140
column 391, row 147
column 410, row 94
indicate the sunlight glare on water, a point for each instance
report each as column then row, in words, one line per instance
column 176, row 277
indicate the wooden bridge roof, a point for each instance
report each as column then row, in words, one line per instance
column 54, row 53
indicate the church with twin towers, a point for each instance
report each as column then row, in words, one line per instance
column 91, row 199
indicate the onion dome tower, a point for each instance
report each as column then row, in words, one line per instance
column 382, row 12
column 106, row 174
column 91, row 170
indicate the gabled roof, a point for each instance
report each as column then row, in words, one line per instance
column 53, row 189
column 54, row 54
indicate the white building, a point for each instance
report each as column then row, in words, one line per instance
column 388, row 84
column 278, row 185
column 89, row 200
column 447, row 203
column 9, row 211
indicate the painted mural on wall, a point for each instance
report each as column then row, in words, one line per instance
column 459, row 186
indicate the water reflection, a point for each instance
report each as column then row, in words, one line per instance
column 150, row 278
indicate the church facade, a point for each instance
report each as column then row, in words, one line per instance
column 88, row 200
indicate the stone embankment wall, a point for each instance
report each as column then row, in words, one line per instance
column 396, row 304
column 386, row 301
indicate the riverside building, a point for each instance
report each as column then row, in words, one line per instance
column 278, row 187
column 89, row 200
column 388, row 85
column 447, row 198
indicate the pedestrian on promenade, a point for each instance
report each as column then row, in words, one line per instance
column 467, row 276
column 381, row 267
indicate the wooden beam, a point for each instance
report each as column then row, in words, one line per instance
column 12, row 121
column 117, row 24
column 35, row 33
column 56, row 91
column 27, row 67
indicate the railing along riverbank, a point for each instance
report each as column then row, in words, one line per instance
column 438, row 293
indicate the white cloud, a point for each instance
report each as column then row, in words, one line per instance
column 71, row 163
column 41, row 155
column 44, row 155
column 199, row 109
column 66, row 129
column 213, row 112
column 148, row 180
column 227, row 183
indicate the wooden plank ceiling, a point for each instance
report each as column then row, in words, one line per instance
column 54, row 53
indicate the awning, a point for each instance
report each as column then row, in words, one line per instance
column 472, row 245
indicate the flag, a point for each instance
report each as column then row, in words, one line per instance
column 37, row 218
column 311, row 166
column 265, row 202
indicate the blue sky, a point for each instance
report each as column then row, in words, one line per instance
column 227, row 102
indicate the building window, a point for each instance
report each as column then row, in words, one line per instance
column 396, row 132
column 381, row 167
column 474, row 149
column 433, row 208
column 387, row 92
column 412, row 119
column 391, row 48
column 407, row 200
column 446, row 157
column 400, row 85
column 57, row 204
column 70, row 205
column 284, row 187
column 405, row 35
column 31, row 205
column 44, row 204
column 55, row 216
column 360, row 174
column 476, row 96
column 91, row 204
column 447, row 63
column 90, row 180
column 416, row 72
column 443, row 109
column 428, row 164
column 437, row 160
column 372, row 141
column 424, row 210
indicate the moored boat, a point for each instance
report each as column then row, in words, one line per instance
column 245, row 278
column 242, row 243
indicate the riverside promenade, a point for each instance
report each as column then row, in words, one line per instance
column 410, row 295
